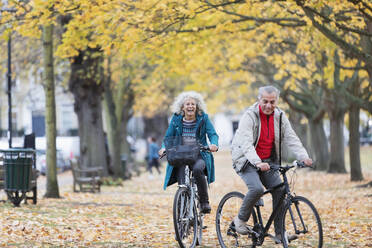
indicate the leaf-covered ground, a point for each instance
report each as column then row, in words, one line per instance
column 139, row 214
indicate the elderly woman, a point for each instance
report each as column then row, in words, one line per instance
column 189, row 116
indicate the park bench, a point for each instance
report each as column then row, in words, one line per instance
column 88, row 179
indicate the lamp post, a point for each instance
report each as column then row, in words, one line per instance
column 9, row 76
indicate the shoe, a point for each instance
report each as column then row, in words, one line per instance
column 205, row 207
column 290, row 238
column 240, row 226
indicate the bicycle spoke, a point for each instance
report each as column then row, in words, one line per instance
column 302, row 219
column 227, row 210
column 184, row 221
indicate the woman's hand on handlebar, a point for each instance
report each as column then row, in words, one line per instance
column 213, row 148
column 161, row 152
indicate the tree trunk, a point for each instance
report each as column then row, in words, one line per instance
column 50, row 113
column 156, row 126
column 87, row 88
column 366, row 43
column 118, row 103
column 354, row 141
column 300, row 129
column 125, row 146
column 337, row 162
column 319, row 144
column 114, row 131
column 125, row 149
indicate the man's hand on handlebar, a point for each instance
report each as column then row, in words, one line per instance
column 308, row 162
column 263, row 166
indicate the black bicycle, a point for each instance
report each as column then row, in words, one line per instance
column 300, row 221
column 187, row 215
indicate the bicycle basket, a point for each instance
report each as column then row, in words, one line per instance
column 179, row 154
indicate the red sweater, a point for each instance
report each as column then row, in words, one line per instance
column 266, row 141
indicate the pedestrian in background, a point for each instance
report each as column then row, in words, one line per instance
column 152, row 156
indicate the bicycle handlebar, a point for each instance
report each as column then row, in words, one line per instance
column 275, row 167
column 163, row 155
column 205, row 148
column 201, row 147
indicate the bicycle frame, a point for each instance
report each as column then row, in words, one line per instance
column 190, row 185
column 275, row 211
column 294, row 214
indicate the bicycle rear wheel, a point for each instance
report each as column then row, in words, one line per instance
column 185, row 223
column 302, row 222
column 227, row 209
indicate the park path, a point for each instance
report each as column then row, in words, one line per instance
column 139, row 213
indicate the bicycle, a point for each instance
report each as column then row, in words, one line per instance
column 298, row 217
column 187, row 215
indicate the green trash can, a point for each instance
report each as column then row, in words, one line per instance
column 18, row 172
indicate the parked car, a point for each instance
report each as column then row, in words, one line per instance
column 366, row 140
column 62, row 164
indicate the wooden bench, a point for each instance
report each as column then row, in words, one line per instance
column 88, row 179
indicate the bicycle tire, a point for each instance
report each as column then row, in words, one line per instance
column 185, row 228
column 300, row 217
column 227, row 209
column 200, row 227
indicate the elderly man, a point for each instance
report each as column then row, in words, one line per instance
column 262, row 133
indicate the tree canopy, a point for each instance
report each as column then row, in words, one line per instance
column 211, row 45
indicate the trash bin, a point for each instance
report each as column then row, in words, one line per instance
column 18, row 172
column 123, row 159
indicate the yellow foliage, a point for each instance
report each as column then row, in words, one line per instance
column 215, row 51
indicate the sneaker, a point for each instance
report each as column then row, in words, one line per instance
column 240, row 226
column 205, row 207
column 290, row 238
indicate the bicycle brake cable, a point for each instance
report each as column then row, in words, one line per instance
column 293, row 180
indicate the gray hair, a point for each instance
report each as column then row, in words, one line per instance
column 268, row 89
column 181, row 98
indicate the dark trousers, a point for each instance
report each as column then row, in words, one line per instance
column 153, row 163
column 255, row 182
column 198, row 172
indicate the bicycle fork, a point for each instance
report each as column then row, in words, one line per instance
column 297, row 231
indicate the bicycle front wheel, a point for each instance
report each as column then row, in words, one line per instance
column 185, row 221
column 301, row 224
column 227, row 209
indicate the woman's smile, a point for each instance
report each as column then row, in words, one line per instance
column 189, row 108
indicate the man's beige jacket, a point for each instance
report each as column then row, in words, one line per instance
column 245, row 140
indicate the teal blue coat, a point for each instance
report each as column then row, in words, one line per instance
column 207, row 129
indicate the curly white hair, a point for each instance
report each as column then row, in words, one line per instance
column 181, row 98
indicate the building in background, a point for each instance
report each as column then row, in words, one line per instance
column 28, row 110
